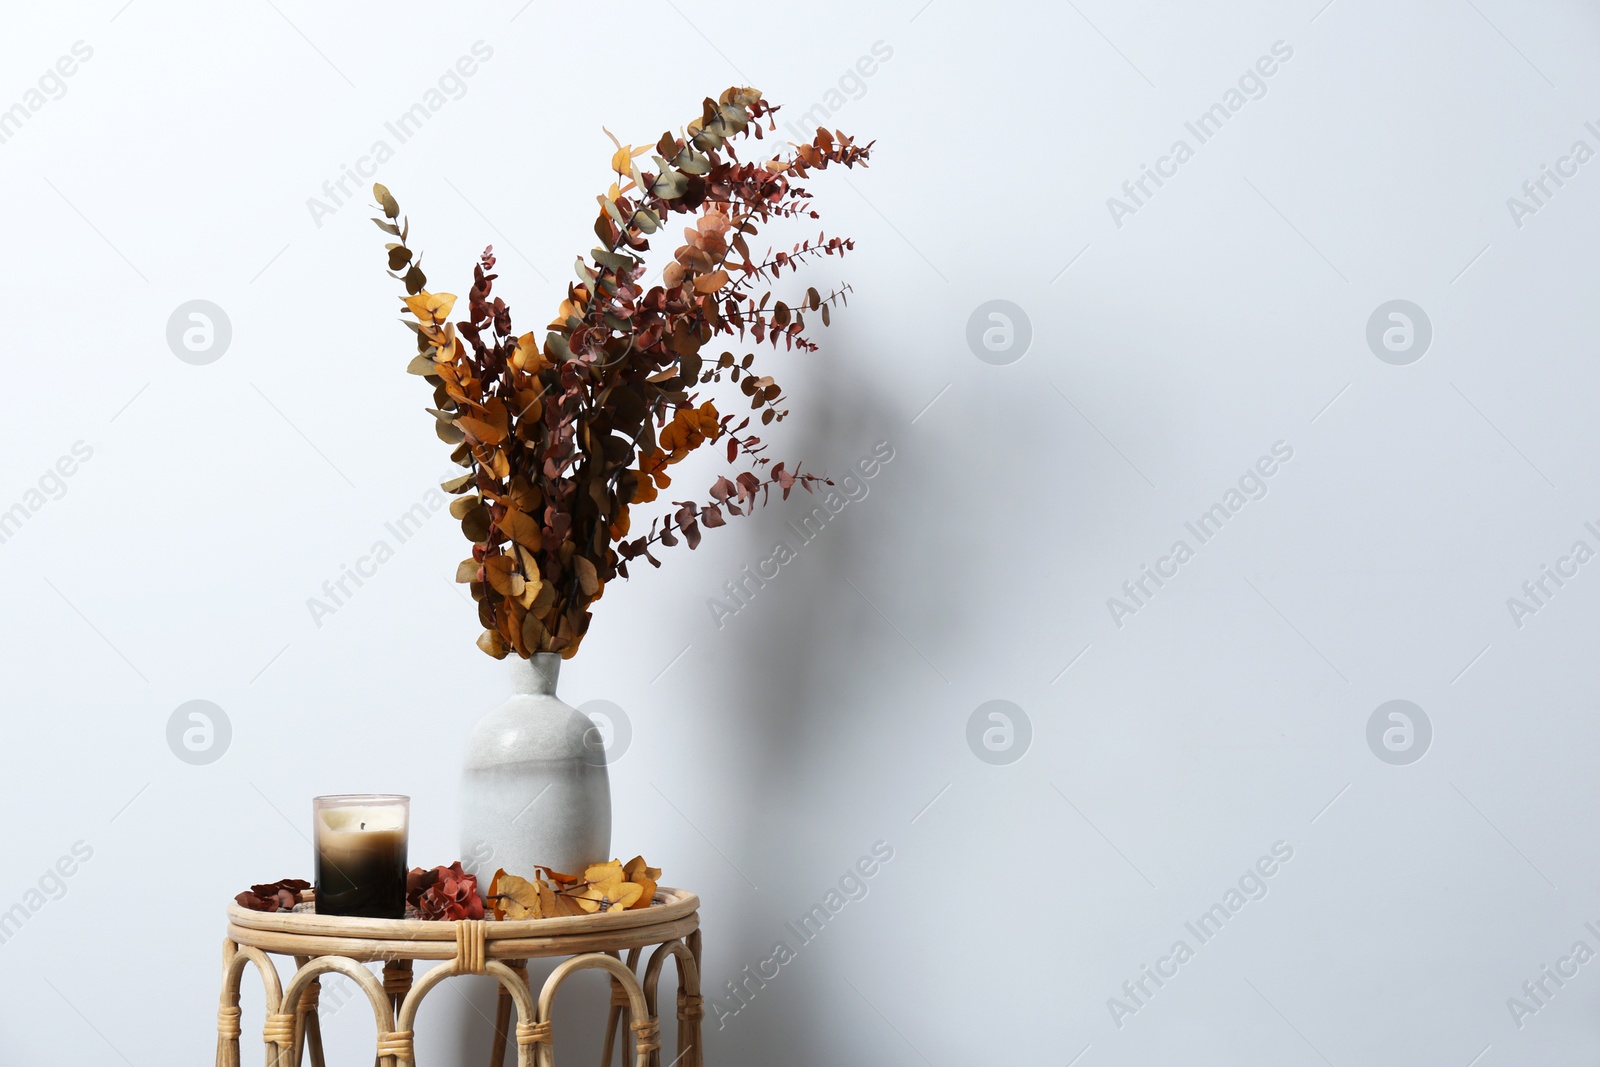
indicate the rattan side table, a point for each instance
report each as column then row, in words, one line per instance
column 320, row 944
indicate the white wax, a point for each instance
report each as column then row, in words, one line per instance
column 356, row 820
column 347, row 833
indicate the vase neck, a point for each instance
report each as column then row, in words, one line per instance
column 536, row 676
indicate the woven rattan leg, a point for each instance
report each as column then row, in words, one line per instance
column 314, row 1041
column 612, row 1019
column 308, row 1025
column 228, row 1014
column 397, row 980
column 505, row 1007
column 502, row 1026
column 298, row 1052
column 691, row 1011
column 621, row 1016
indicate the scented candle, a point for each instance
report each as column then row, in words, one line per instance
column 361, row 855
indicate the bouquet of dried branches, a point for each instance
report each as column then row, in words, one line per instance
column 562, row 438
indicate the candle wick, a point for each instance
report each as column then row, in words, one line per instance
column 363, row 826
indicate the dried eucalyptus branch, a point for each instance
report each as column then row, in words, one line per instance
column 560, row 440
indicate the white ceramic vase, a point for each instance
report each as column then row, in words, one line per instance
column 535, row 790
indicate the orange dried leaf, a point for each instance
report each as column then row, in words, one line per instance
column 514, row 898
column 588, row 577
column 645, row 876
column 610, row 871
column 604, row 889
column 566, row 905
column 527, row 356
column 480, row 431
column 710, row 283
column 636, row 867
column 492, row 643
column 522, row 528
column 431, row 307
column 497, row 569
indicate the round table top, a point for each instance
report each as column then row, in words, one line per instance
column 674, row 914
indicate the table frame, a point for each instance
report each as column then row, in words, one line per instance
column 326, row 944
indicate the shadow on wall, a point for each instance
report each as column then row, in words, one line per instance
column 793, row 642
column 790, row 639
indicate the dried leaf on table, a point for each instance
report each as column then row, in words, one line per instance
column 514, row 898
column 647, row 877
column 444, row 893
column 281, row 895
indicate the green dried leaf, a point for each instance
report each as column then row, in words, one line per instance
column 670, row 185
column 691, row 162
column 708, row 140
column 614, row 260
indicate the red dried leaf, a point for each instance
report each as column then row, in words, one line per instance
column 281, row 895
column 444, row 893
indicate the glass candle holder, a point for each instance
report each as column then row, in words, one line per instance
column 361, row 854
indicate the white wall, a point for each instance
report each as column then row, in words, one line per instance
column 1226, row 313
